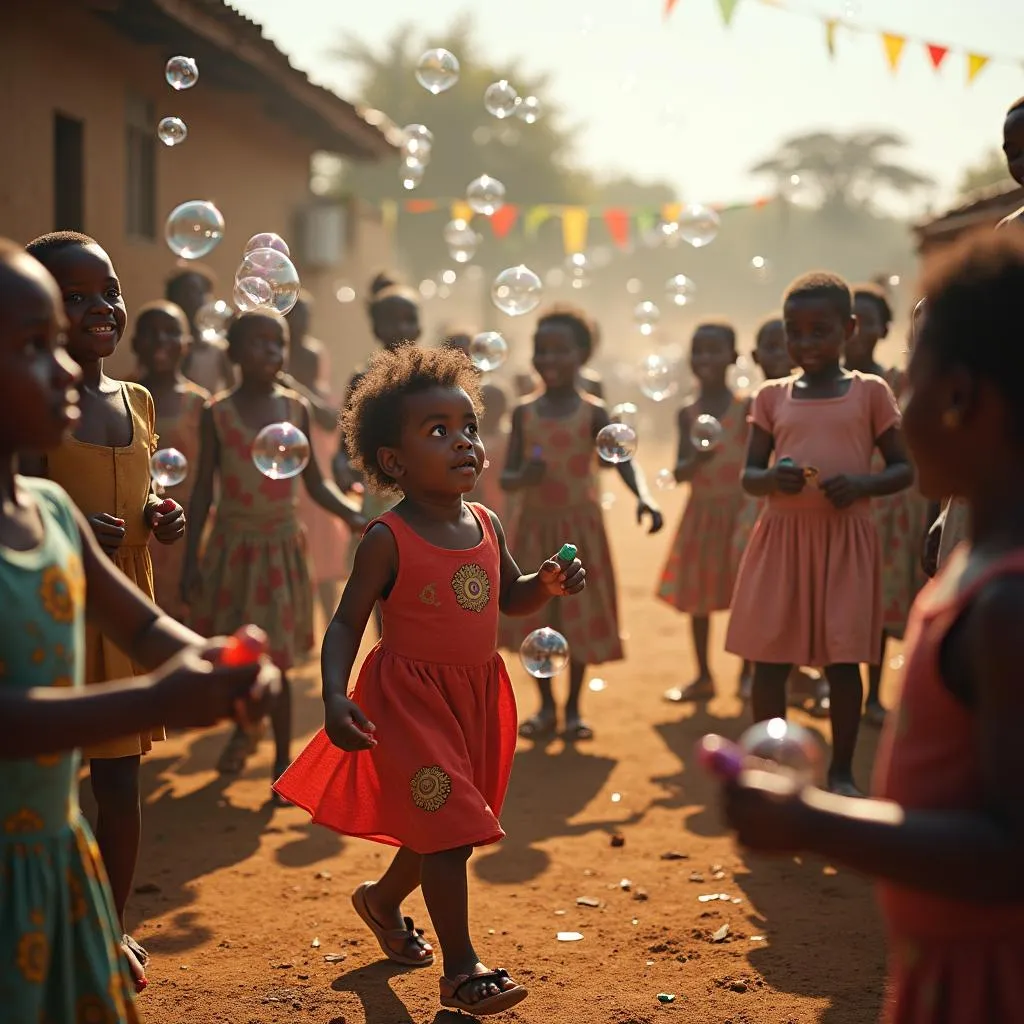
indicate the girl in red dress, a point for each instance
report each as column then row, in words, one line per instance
column 419, row 755
column 946, row 837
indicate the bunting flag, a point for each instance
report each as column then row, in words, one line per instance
column 536, row 216
column 503, row 220
column 617, row 223
column 574, row 228
column 893, row 43
column 389, row 215
column 893, row 49
column 461, row 210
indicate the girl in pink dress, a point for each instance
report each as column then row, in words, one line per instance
column 809, row 585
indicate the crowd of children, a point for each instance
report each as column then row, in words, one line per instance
column 800, row 521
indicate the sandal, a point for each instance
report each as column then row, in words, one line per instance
column 384, row 936
column 576, row 730
column 874, row 714
column 502, row 1000
column 541, row 726
column 238, row 750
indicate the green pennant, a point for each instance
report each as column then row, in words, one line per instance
column 728, row 8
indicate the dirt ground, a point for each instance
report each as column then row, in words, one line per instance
column 241, row 904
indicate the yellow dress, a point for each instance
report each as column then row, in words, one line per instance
column 100, row 478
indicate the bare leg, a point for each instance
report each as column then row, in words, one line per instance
column 385, row 897
column 281, row 720
column 543, row 724
column 115, row 785
column 874, row 712
column 702, row 688
column 445, row 890
column 768, row 696
column 746, row 680
column 846, row 690
column 575, row 727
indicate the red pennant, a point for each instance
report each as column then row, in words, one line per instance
column 669, row 4
column 503, row 220
column 937, row 54
column 420, row 205
column 617, row 223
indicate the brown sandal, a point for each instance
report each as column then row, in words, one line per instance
column 503, row 1000
column 384, row 936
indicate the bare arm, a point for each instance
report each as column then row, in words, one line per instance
column 519, row 594
column 324, row 414
column 325, row 492
column 688, row 459
column 514, row 476
column 202, row 494
column 898, row 474
column 757, row 478
column 632, row 475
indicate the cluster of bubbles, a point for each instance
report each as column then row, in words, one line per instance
column 417, row 146
column 266, row 278
column 502, row 101
column 180, row 73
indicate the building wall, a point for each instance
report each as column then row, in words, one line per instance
column 255, row 170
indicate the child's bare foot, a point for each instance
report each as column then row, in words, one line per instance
column 398, row 937
column 481, row 992
column 702, row 688
column 136, row 963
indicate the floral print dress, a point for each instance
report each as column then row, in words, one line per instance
column 60, row 953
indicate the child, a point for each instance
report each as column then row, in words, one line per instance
column 550, row 468
column 946, row 839
column 698, row 577
column 160, row 343
column 1013, row 150
column 60, row 952
column 900, row 518
column 808, row 591
column 207, row 363
column 104, row 467
column 432, row 715
column 254, row 567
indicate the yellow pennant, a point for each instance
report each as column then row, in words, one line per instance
column 462, row 211
column 975, row 62
column 893, row 48
column 728, row 8
column 831, row 24
column 389, row 215
column 574, row 228
column 535, row 216
column 670, row 212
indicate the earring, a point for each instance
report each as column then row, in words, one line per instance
column 951, row 419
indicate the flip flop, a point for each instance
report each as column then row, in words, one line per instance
column 539, row 727
column 577, row 731
column 500, row 1001
column 410, row 933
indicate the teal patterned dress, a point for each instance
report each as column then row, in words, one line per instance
column 60, row 952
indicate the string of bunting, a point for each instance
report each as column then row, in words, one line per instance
column 893, row 43
column 622, row 223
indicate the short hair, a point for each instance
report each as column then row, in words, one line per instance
column 1016, row 106
column 237, row 328
column 820, row 284
column 162, row 306
column 773, row 323
column 190, row 269
column 54, row 241
column 724, row 326
column 372, row 419
column 876, row 295
column 975, row 301
column 584, row 330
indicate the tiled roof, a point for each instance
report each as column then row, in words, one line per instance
column 986, row 207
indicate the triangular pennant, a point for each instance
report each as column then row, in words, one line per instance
column 893, row 48
column 616, row 220
column 389, row 215
column 645, row 220
column 728, row 9
column 669, row 4
column 670, row 212
column 831, row 24
column 503, row 220
column 535, row 216
column 937, row 54
column 574, row 228
column 420, row 205
column 461, row 211
column 975, row 62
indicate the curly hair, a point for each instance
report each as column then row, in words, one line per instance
column 373, row 417
column 820, row 284
column 584, row 330
column 54, row 241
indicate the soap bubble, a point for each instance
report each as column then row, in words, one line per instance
column 665, row 480
column 417, row 140
column 168, row 467
column 277, row 271
column 646, row 315
column 488, row 351
column 485, row 195
column 760, row 266
column 698, row 225
column 172, row 131
column 544, row 653
column 181, row 73
column 280, row 451
column 411, row 172
column 680, row 289
column 705, row 433
column 437, row 70
column 194, row 229
column 501, row 99
column 528, row 110
column 516, row 291
column 212, row 320
column 788, row 748
column 267, row 240
column 616, row 443
column 579, row 270
column 740, row 376
column 461, row 239
column 252, row 293
column 657, row 378
column 625, row 412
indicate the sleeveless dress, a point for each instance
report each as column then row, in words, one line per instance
column 254, row 565
column 441, row 699
column 60, row 955
column 99, row 478
column 181, row 432
column 699, row 575
column 565, row 507
column 809, row 585
column 950, row 960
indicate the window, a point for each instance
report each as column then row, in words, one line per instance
column 68, row 174
column 140, row 169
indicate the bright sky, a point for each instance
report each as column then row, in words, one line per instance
column 694, row 103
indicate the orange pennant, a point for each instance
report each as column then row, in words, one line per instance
column 420, row 206
column 975, row 62
column 893, row 48
column 669, row 4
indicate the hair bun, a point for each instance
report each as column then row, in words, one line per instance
column 383, row 280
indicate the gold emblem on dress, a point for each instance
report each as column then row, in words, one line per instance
column 431, row 787
column 472, row 587
column 428, row 595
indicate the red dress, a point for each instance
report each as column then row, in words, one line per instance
column 442, row 702
column 951, row 961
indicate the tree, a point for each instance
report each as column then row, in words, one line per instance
column 843, row 171
column 989, row 172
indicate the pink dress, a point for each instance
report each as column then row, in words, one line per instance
column 809, row 589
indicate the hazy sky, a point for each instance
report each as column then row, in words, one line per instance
column 694, row 103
